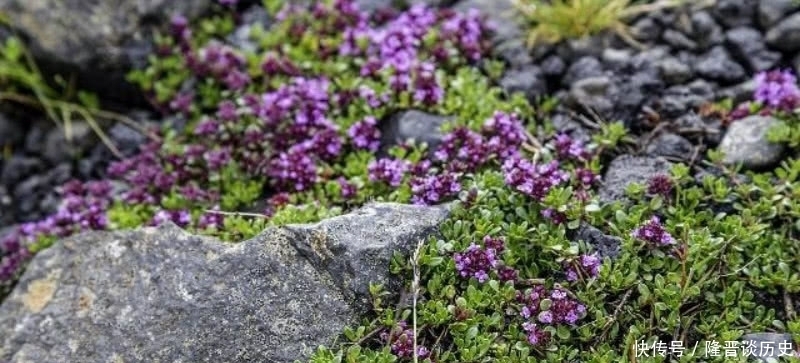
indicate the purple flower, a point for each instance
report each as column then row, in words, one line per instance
column 476, row 262
column 589, row 264
column 659, row 184
column 568, row 148
column 401, row 339
column 390, row 171
column 506, row 133
column 653, row 232
column 533, row 180
column 294, row 169
column 348, row 189
column 536, row 336
column 433, row 189
column 365, row 134
column 777, row 89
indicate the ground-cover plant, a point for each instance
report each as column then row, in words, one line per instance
column 557, row 20
column 286, row 130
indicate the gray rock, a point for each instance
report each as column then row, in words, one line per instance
column 673, row 71
column 746, row 143
column 588, row 46
column 747, row 45
column 162, row 295
column 18, row 167
column 59, row 148
column 553, row 66
column 678, row 40
column 785, row 35
column 670, row 145
column 772, row 11
column 412, row 125
column 585, row 67
column 595, row 93
column 616, row 59
column 676, row 100
column 6, row 210
column 11, row 132
column 605, row 245
column 733, row 13
column 99, row 40
column 773, row 340
column 566, row 124
column 528, row 80
column 646, row 30
column 717, row 65
column 627, row 169
column 739, row 93
column 705, row 31
column 651, row 56
column 514, row 52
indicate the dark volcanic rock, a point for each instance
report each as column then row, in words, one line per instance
column 772, row 11
column 679, row 99
column 717, row 65
column 705, row 31
column 646, row 29
column 11, row 131
column 746, row 142
column 18, row 167
column 162, row 295
column 528, row 80
column 670, row 145
column 678, row 40
column 553, row 66
column 733, row 13
column 59, row 148
column 605, row 245
column 99, row 40
column 412, row 125
column 747, row 45
column 585, row 67
column 627, row 169
column 785, row 35
column 673, row 71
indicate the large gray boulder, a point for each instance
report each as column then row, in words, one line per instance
column 162, row 295
column 98, row 40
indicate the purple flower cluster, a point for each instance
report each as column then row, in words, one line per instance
column 777, row 90
column 533, row 180
column 401, row 339
column 465, row 32
column 83, row 207
column 567, row 148
column 536, row 336
column 432, row 189
column 659, row 184
column 586, row 265
column 182, row 218
column 478, row 261
column 365, row 134
column 397, row 47
column 562, row 309
column 504, row 133
column 653, row 232
column 390, row 171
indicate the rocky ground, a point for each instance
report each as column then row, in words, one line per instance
column 161, row 294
